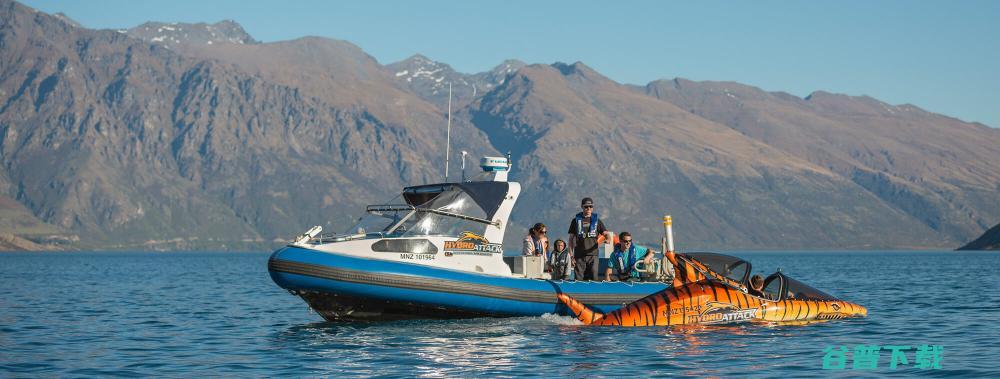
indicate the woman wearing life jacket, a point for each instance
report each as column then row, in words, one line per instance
column 536, row 242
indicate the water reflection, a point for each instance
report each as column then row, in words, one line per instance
column 458, row 347
column 439, row 348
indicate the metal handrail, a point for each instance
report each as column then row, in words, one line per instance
column 389, row 208
column 336, row 237
column 407, row 207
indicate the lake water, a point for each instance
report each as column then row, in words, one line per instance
column 219, row 314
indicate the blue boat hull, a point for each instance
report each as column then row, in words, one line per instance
column 340, row 287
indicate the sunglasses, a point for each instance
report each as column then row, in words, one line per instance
column 626, row 241
column 587, row 206
column 544, row 231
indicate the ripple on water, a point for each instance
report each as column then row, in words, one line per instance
column 201, row 314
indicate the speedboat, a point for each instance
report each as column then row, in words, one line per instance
column 435, row 251
column 711, row 288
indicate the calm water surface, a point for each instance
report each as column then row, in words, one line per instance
column 196, row 314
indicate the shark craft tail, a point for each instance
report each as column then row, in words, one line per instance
column 582, row 312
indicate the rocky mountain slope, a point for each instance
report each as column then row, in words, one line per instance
column 173, row 34
column 429, row 80
column 988, row 241
column 577, row 133
column 929, row 166
column 128, row 145
column 154, row 138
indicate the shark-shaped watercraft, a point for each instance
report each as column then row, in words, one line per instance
column 712, row 288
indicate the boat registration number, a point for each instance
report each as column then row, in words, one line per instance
column 419, row 257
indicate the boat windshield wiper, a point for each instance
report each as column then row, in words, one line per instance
column 378, row 209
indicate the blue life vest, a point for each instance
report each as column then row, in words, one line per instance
column 592, row 233
column 624, row 263
column 538, row 245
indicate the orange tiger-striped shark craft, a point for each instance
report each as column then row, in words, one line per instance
column 711, row 288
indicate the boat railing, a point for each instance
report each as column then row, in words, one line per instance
column 655, row 270
column 337, row 237
column 377, row 209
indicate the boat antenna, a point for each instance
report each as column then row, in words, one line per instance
column 464, row 153
column 447, row 148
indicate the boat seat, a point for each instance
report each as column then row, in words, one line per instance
column 531, row 267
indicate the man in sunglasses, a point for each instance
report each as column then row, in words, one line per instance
column 583, row 233
column 622, row 264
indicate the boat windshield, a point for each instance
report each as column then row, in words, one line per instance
column 726, row 265
column 795, row 289
column 379, row 222
column 449, row 213
column 422, row 211
column 772, row 287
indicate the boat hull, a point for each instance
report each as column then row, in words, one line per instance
column 345, row 288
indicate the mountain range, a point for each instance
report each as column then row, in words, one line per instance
column 197, row 136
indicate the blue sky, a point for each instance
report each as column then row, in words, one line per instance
column 943, row 56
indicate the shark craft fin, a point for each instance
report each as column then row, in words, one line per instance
column 582, row 312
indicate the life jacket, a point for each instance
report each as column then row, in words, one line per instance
column 592, row 233
column 537, row 243
column 624, row 262
column 559, row 260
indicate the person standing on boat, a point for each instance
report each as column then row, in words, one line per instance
column 536, row 242
column 623, row 260
column 583, row 233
